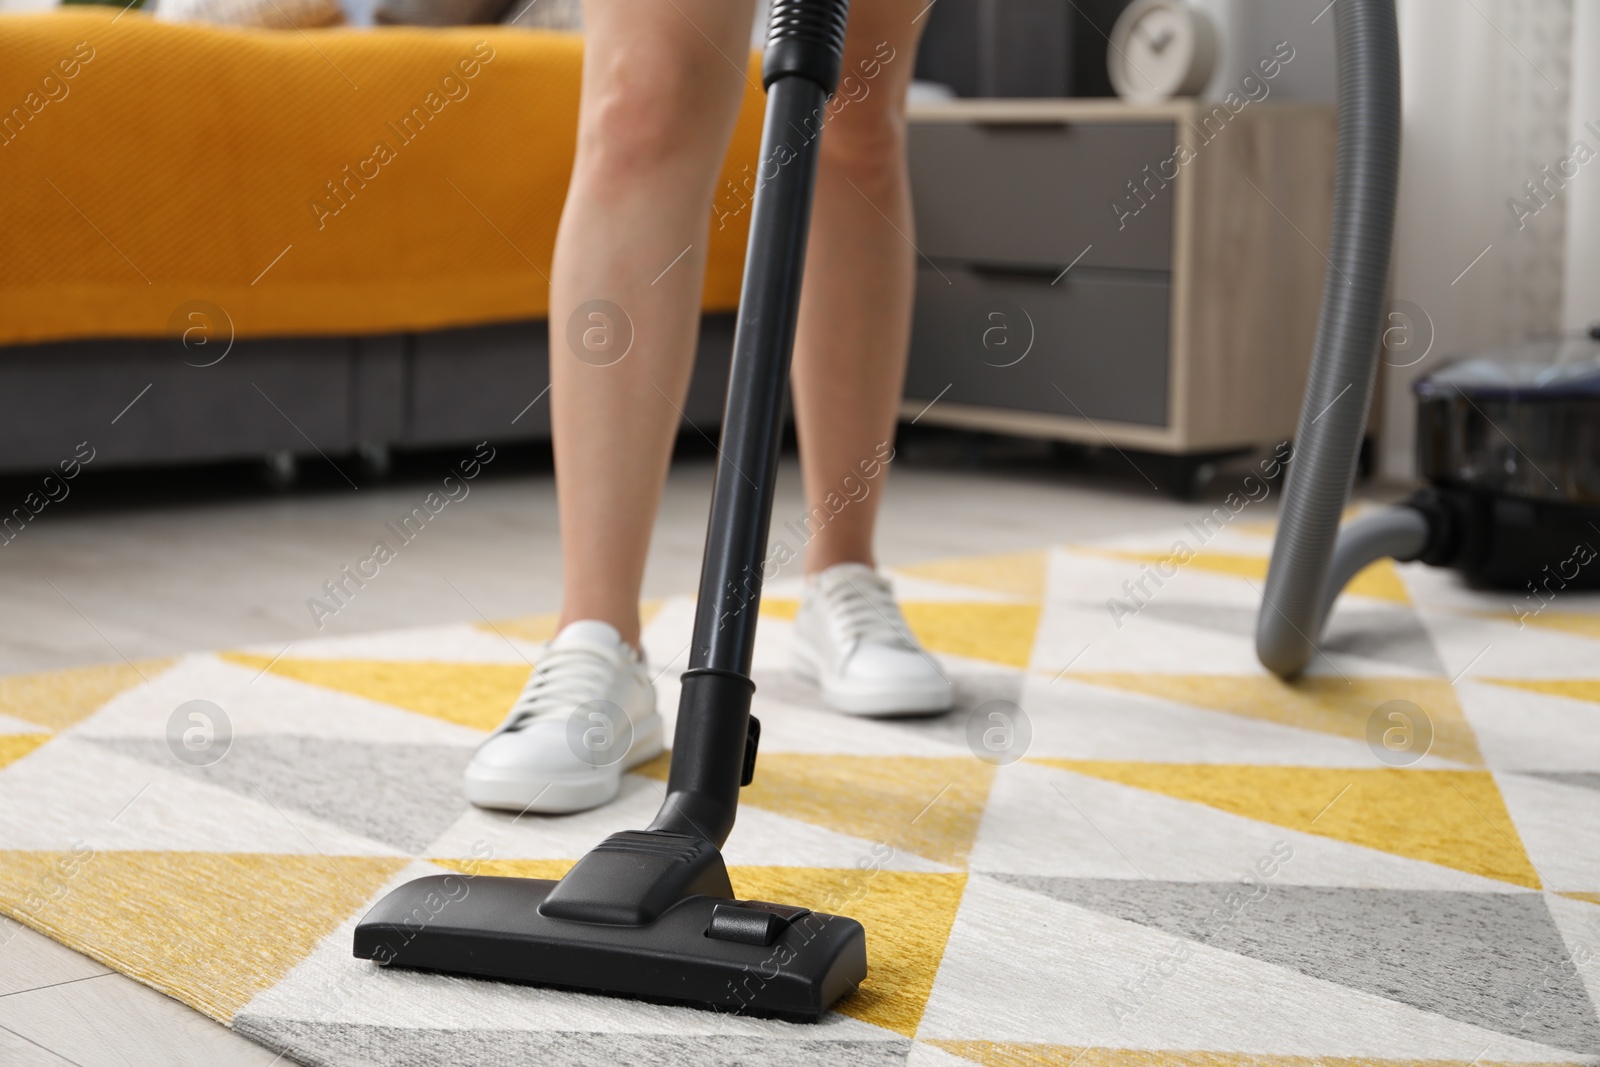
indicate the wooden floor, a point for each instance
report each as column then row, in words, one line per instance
column 155, row 564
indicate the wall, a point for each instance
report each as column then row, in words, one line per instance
column 1249, row 29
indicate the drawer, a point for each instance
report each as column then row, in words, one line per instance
column 1091, row 345
column 1032, row 194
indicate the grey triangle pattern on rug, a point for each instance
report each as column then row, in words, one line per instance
column 318, row 1044
column 402, row 795
column 1222, row 618
column 1384, row 636
column 789, row 688
column 973, row 687
column 1581, row 779
column 1494, row 960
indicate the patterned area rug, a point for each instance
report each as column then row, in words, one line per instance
column 1162, row 856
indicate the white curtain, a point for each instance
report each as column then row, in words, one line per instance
column 1580, row 307
column 1497, row 95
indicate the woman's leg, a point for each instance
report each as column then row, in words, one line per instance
column 662, row 85
column 855, row 314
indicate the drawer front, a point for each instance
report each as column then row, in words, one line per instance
column 1037, row 195
column 1091, row 347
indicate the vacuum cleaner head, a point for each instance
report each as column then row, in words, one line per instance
column 646, row 914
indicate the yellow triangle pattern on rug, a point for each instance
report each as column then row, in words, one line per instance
column 540, row 628
column 59, row 699
column 779, row 607
column 1005, row 1054
column 907, row 915
column 1452, row 818
column 927, row 805
column 1571, row 622
column 999, row 633
column 532, row 628
column 14, row 746
column 212, row 929
column 1571, row 688
column 1328, row 705
column 553, row 870
column 1256, row 529
column 1379, row 580
column 468, row 694
column 1588, row 898
column 1018, row 574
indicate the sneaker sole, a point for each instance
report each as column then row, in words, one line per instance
column 560, row 796
column 886, row 703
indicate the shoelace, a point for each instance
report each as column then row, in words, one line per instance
column 864, row 608
column 562, row 679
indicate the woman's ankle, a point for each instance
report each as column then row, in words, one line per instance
column 627, row 625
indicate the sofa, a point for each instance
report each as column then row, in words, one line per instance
column 225, row 244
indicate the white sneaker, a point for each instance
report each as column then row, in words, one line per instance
column 586, row 715
column 851, row 639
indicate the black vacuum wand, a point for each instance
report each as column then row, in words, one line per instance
column 651, row 913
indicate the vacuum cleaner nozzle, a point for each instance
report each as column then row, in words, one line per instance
column 646, row 914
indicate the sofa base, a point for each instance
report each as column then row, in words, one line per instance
column 154, row 401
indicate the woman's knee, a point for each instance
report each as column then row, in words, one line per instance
column 654, row 114
column 867, row 122
column 867, row 146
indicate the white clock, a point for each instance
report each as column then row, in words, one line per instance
column 1161, row 49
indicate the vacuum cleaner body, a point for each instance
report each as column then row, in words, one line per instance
column 1510, row 442
column 651, row 914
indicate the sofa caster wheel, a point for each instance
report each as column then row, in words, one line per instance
column 280, row 468
column 1184, row 477
column 376, row 460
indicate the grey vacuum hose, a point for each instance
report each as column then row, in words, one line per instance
column 1394, row 533
column 1344, row 361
